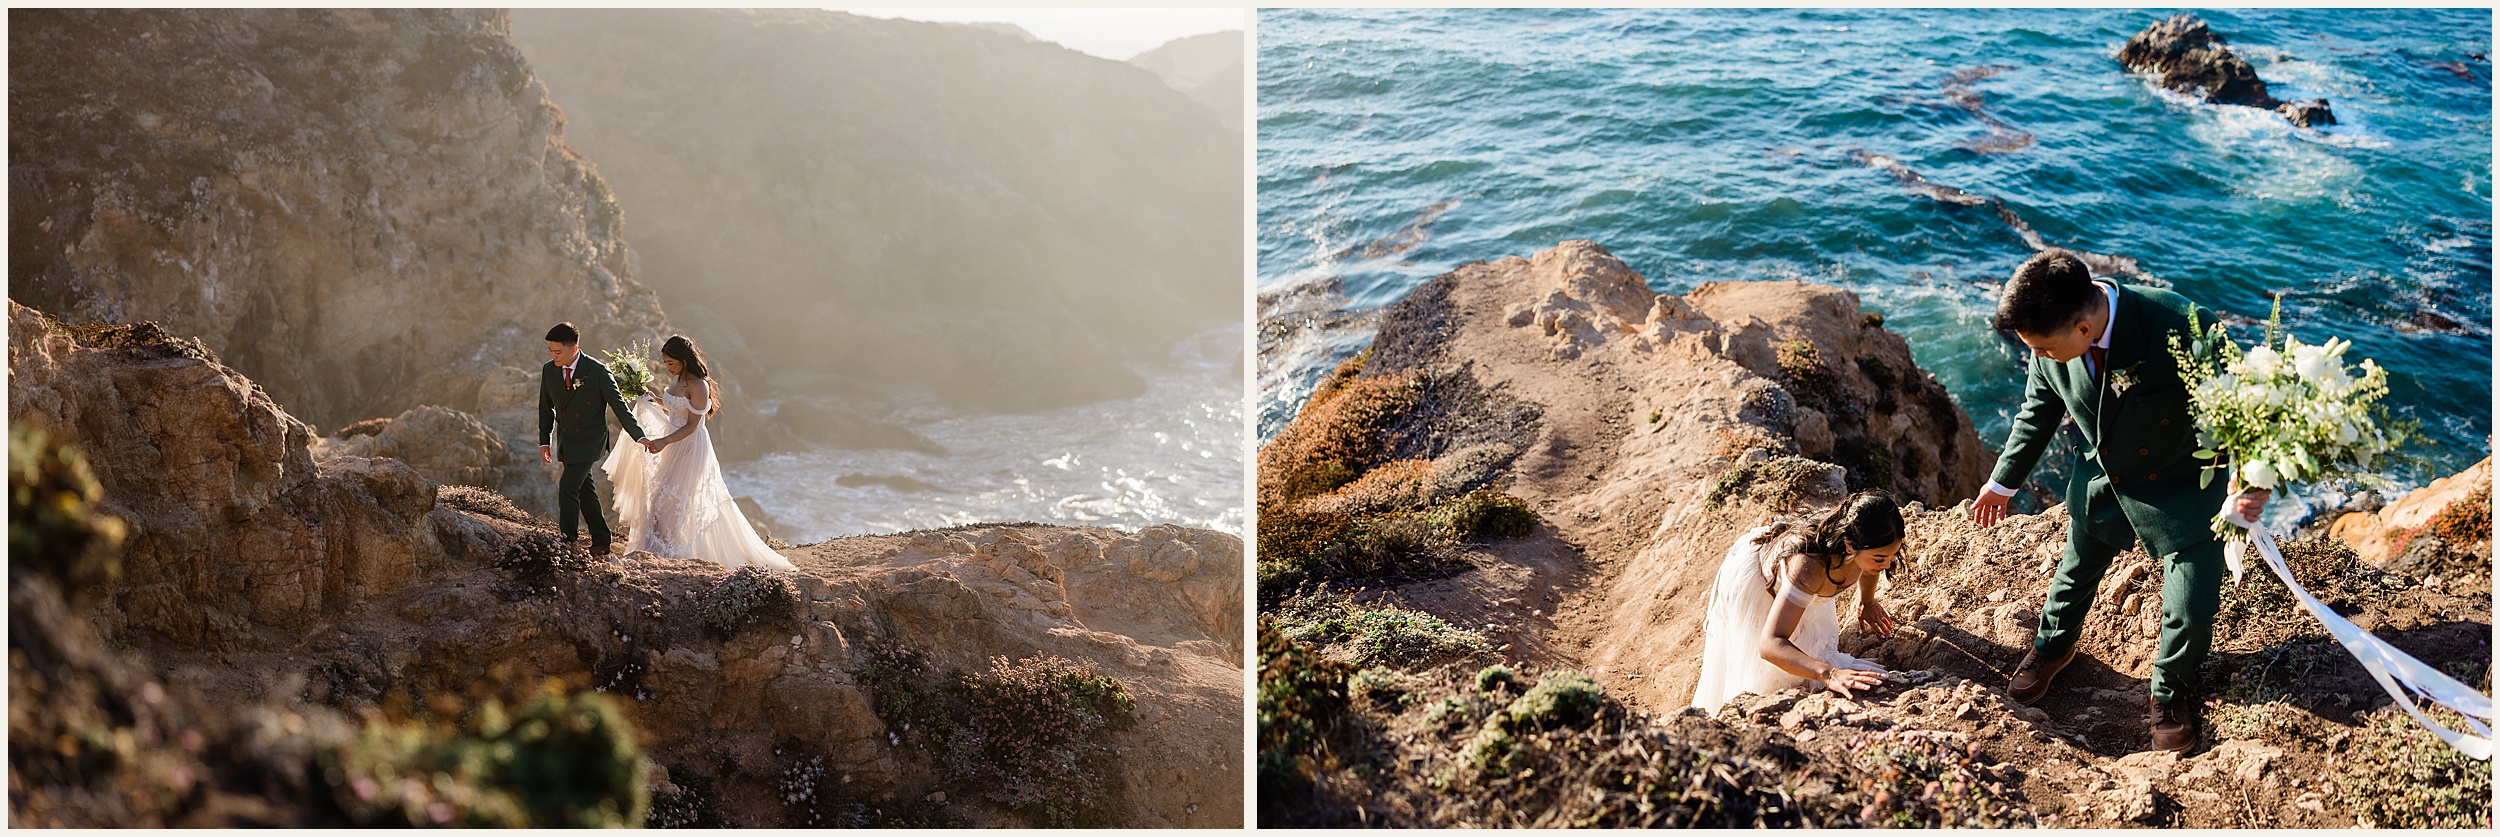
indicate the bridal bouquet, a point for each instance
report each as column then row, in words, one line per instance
column 633, row 377
column 2298, row 413
column 2275, row 415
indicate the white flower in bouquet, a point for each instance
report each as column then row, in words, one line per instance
column 633, row 376
column 2273, row 416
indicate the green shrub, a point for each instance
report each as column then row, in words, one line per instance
column 902, row 689
column 1495, row 677
column 1484, row 512
column 1814, row 384
column 752, row 596
column 1493, row 750
column 561, row 761
column 1780, row 481
column 2256, row 700
column 2261, row 608
column 55, row 527
column 2398, row 775
column 1450, row 712
column 1301, row 706
column 1560, row 699
column 1031, row 735
column 1391, row 635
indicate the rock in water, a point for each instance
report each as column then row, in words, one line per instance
column 2191, row 59
column 2308, row 113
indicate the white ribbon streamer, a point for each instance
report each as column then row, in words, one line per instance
column 2386, row 664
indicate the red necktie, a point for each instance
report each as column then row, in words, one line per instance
column 2100, row 360
column 568, row 376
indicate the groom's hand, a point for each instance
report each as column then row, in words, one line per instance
column 1989, row 509
column 2248, row 504
column 546, row 454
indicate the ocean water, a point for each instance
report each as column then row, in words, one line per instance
column 1702, row 145
column 1172, row 455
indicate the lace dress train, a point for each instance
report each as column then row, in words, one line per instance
column 674, row 504
column 1740, row 603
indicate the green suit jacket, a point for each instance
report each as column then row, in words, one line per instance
column 2135, row 422
column 573, row 415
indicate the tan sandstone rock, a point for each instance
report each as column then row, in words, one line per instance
column 2374, row 535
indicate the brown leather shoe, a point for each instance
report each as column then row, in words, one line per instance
column 2176, row 725
column 2032, row 676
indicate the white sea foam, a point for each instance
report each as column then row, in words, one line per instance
column 1173, row 455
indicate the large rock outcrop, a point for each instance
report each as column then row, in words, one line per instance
column 1636, row 392
column 2189, row 58
column 362, row 210
column 1004, row 221
column 254, row 576
column 234, row 529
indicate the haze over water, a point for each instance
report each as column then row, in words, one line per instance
column 1704, row 145
column 1172, row 455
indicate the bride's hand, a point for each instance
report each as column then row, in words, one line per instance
column 1841, row 680
column 653, row 445
column 1873, row 619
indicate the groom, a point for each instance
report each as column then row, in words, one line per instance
column 571, row 393
column 2101, row 356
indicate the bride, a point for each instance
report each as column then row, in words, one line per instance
column 1773, row 620
column 669, row 491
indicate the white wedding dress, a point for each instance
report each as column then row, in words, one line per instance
column 1731, row 656
column 674, row 504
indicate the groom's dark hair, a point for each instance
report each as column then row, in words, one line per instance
column 565, row 334
column 2048, row 293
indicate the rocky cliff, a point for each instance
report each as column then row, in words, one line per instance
column 253, row 576
column 1488, row 545
column 1004, row 221
column 365, row 211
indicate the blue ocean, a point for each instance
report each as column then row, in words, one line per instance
column 1706, row 145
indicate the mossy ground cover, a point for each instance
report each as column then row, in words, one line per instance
column 1498, row 747
column 2395, row 774
column 1028, row 735
column 2260, row 610
column 752, row 597
column 1302, row 703
column 1333, row 506
column 557, row 761
column 1915, row 779
column 1374, row 634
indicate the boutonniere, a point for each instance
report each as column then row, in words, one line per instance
column 2120, row 380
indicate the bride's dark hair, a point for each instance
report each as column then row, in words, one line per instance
column 690, row 360
column 1866, row 520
